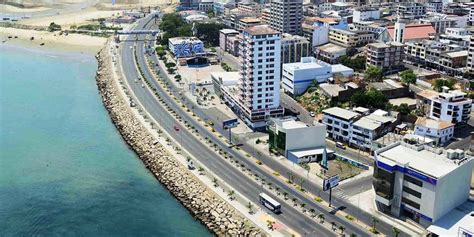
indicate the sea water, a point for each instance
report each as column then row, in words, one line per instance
column 64, row 169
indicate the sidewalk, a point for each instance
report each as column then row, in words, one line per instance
column 238, row 202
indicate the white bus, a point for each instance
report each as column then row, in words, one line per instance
column 270, row 203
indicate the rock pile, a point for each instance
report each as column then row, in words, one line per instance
column 205, row 205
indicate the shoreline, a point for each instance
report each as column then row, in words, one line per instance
column 73, row 43
column 203, row 204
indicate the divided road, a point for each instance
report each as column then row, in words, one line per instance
column 230, row 174
column 208, row 157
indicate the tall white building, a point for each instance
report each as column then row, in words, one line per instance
column 259, row 86
column 420, row 182
column 470, row 57
column 286, row 16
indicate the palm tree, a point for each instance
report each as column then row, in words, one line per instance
column 277, row 189
column 231, row 194
column 216, row 184
column 395, row 231
column 294, row 201
column 374, row 222
column 285, row 195
column 333, row 225
column 303, row 205
column 270, row 224
column 301, row 183
column 250, row 206
column 290, row 177
column 353, row 235
column 200, row 170
column 312, row 211
column 342, row 228
column 321, row 218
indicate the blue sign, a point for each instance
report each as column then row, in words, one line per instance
column 407, row 171
column 230, row 123
column 415, row 213
column 423, row 177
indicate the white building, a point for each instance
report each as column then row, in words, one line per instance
column 420, row 182
column 299, row 142
column 438, row 130
column 259, row 86
column 452, row 106
column 297, row 77
column 369, row 128
column 339, row 123
column 185, row 46
column 470, row 58
column 365, row 14
column 434, row 6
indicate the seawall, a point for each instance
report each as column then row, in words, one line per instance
column 202, row 202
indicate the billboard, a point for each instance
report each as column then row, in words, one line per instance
column 230, row 123
column 330, row 182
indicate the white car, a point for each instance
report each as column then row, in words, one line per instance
column 312, row 114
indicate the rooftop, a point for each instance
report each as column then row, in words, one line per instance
column 229, row 31
column 341, row 113
column 177, row 40
column 404, row 100
column 425, row 160
column 331, row 48
column 373, row 121
column 461, row 217
column 434, row 124
column 309, row 152
column 414, row 31
column 461, row 53
column 429, row 94
column 306, row 63
column 261, row 30
column 250, row 20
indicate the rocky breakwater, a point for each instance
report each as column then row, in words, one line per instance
column 204, row 204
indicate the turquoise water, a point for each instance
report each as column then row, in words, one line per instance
column 64, row 169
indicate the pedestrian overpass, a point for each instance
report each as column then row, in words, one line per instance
column 137, row 32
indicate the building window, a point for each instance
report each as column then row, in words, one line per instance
column 411, row 203
column 413, row 181
column 411, row 191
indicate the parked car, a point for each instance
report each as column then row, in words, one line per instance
column 340, row 145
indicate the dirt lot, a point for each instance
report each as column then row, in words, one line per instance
column 340, row 168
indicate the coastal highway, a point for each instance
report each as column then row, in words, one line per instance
column 230, row 174
column 242, row 184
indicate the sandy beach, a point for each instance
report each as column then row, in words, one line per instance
column 51, row 40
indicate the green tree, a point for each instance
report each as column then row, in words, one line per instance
column 54, row 27
column 404, row 109
column 395, row 231
column 357, row 63
column 373, row 74
column 210, row 13
column 371, row 98
column 209, row 33
column 408, row 77
column 342, row 228
column 440, row 83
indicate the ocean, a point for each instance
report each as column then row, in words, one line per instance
column 64, row 169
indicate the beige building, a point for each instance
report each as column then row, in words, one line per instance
column 248, row 22
column 293, row 48
column 350, row 38
column 388, row 56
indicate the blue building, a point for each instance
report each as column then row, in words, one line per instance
column 183, row 47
